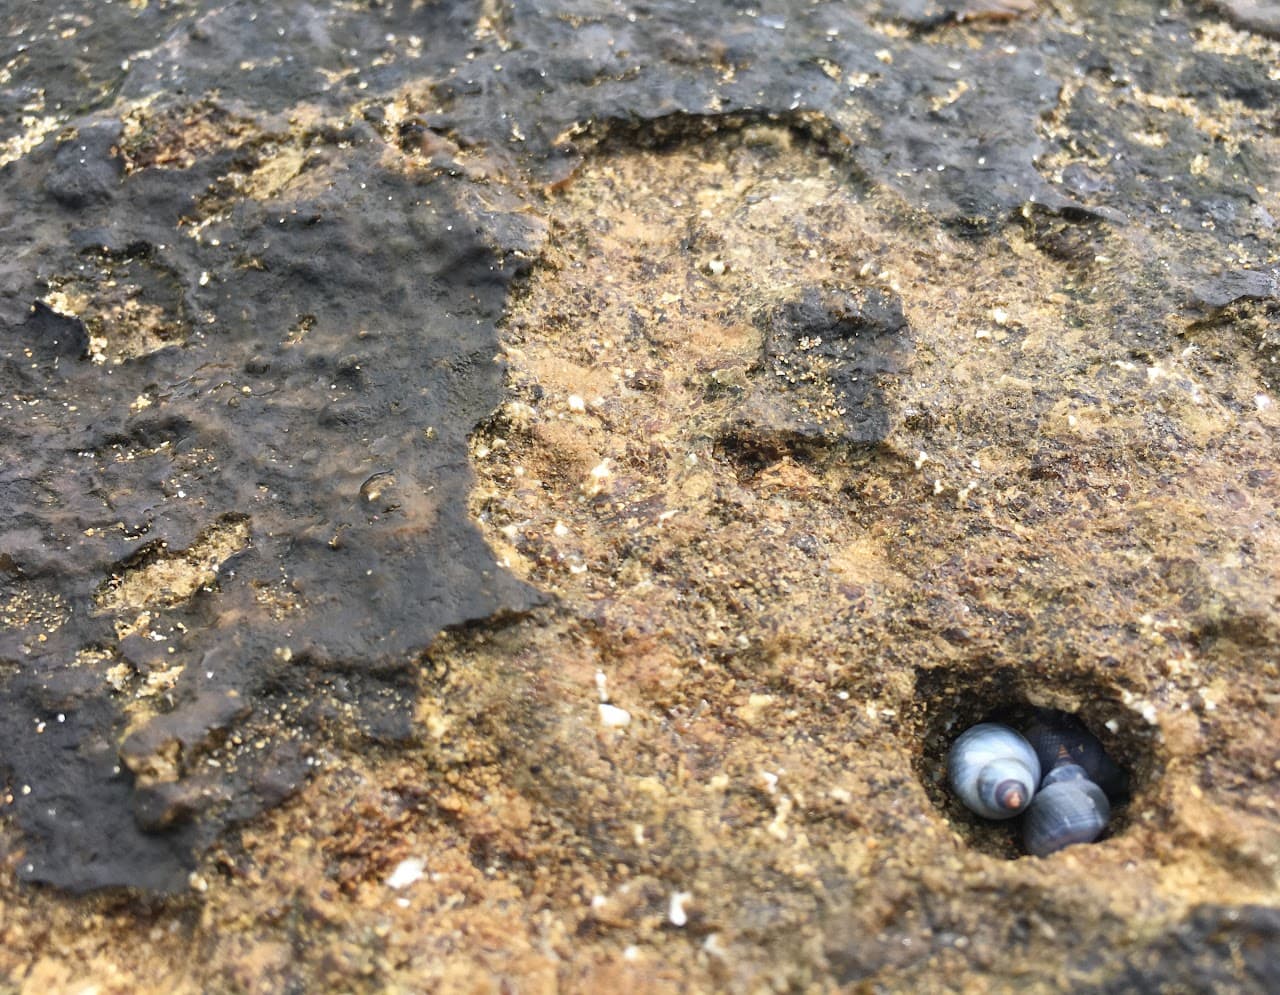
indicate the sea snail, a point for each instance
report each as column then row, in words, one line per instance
column 1058, row 738
column 1069, row 808
column 997, row 773
column 993, row 770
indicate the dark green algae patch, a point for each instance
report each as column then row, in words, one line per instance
column 310, row 219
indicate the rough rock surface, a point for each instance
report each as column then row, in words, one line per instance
column 523, row 495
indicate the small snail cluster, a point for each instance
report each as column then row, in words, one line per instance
column 1054, row 773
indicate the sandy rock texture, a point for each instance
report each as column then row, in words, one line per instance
column 521, row 497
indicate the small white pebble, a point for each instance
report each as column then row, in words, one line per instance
column 576, row 403
column 716, row 267
column 999, row 315
column 614, row 717
column 406, row 873
column 676, row 911
column 596, row 480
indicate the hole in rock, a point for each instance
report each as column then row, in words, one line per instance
column 948, row 702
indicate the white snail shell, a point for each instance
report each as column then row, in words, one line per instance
column 1069, row 808
column 993, row 770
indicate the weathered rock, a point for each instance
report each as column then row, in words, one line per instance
column 868, row 369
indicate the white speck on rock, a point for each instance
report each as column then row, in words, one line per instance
column 676, row 912
column 596, row 481
column 614, row 717
column 406, row 873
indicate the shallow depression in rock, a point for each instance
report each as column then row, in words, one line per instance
column 948, row 703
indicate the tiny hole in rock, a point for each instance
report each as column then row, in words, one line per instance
column 1021, row 770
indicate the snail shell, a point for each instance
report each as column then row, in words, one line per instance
column 1069, row 808
column 993, row 770
column 1059, row 738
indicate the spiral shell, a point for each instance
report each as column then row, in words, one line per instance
column 993, row 770
column 1060, row 738
column 1069, row 808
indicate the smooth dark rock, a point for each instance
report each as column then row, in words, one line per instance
column 1216, row 948
column 87, row 167
column 52, row 335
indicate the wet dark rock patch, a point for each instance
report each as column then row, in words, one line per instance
column 826, row 358
column 375, row 363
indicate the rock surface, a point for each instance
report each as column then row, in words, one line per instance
column 525, row 494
